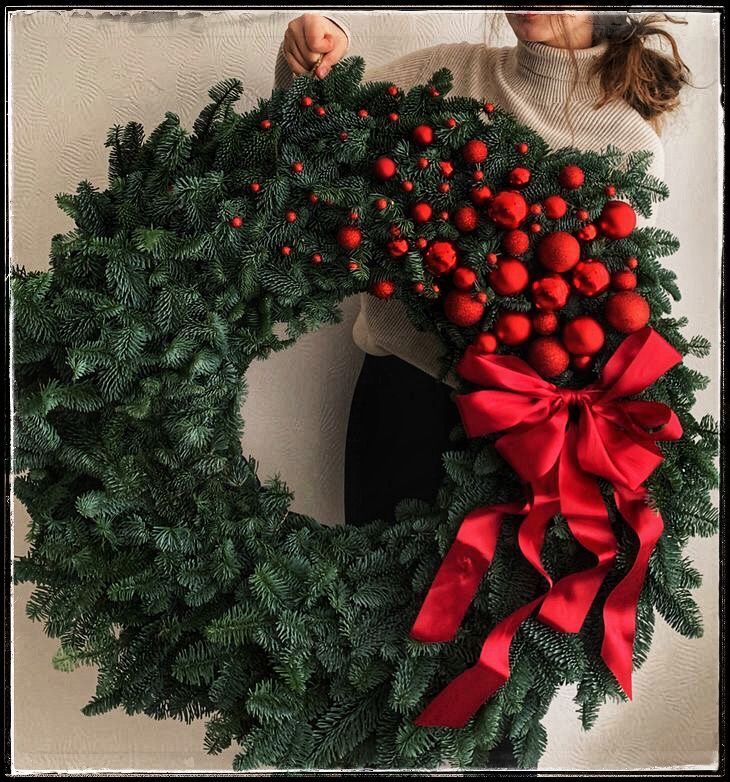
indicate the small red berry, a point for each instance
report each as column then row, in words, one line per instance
column 313, row 198
column 291, row 216
column 463, row 278
column 610, row 191
column 320, row 111
column 306, row 101
column 536, row 209
column 418, row 287
column 485, row 342
column 581, row 362
column 421, row 242
column 491, row 259
column 623, row 280
column 352, row 265
column 444, row 215
column 582, row 214
column 265, row 124
column 444, row 187
column 519, row 176
column 286, row 250
column 535, row 228
column 488, row 108
column 363, row 113
column 343, row 136
column 632, row 262
column 316, row 258
column 254, row 187
column 446, row 167
column 423, row 162
column 433, row 92
column 522, row 148
column 297, row 167
column 354, row 216
column 435, row 288
column 478, row 176
column 393, row 116
column 407, row 185
column 394, row 231
column 236, row 221
column 381, row 203
column 392, row 90
column 450, row 122
column 481, row 297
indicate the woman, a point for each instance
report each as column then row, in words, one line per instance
column 580, row 79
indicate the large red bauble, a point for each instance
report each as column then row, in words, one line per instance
column 397, row 248
column 462, row 308
column 555, row 207
column 508, row 209
column 509, row 278
column 558, row 251
column 627, row 311
column 474, row 151
column 440, row 257
column 349, row 237
column 583, row 336
column 516, row 242
column 545, row 322
column 384, row 167
column 383, row 289
column 547, row 356
column 591, row 278
column 421, row 212
column 466, row 218
column 617, row 219
column 480, row 195
column 463, row 278
column 422, row 135
column 513, row 328
column 550, row 292
column 571, row 177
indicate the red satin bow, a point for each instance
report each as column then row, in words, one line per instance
column 613, row 438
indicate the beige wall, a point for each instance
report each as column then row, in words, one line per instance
column 74, row 75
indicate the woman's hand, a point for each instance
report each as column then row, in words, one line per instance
column 307, row 38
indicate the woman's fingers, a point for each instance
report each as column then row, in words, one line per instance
column 332, row 57
column 313, row 40
column 299, row 61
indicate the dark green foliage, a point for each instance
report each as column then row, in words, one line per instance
column 158, row 554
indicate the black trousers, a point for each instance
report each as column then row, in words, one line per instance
column 398, row 428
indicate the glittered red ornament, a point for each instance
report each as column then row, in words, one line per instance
column 421, row 212
column 617, row 219
column 623, row 280
column 513, row 328
column 474, row 151
column 463, row 278
column 583, row 336
column 236, row 221
column 587, row 233
column 485, row 342
column 446, row 167
column 480, row 195
column 462, row 308
column 550, row 292
column 466, row 218
column 558, row 251
column 519, row 176
column 627, row 311
column 545, row 322
column 422, row 135
column 440, row 257
column 509, row 278
column 591, row 277
column 508, row 209
column 547, row 356
column 515, row 242
column 571, row 177
column 582, row 215
column 555, row 207
column 384, row 168
column 349, row 237
column 397, row 248
column 383, row 289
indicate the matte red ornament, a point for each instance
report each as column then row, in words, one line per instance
column 421, row 212
column 485, row 342
column 462, row 308
column 555, row 207
column 547, row 356
column 627, row 311
column 509, row 278
column 545, row 322
column 516, row 242
column 583, row 336
column 466, row 218
column 474, row 151
column 440, row 257
column 480, row 195
column 513, row 328
column 463, row 278
column 381, row 204
column 446, row 167
column 422, row 135
column 617, row 219
column 349, row 237
column 587, row 233
column 571, row 177
column 236, row 221
column 519, row 176
column 384, row 168
column 558, row 251
column 591, row 278
column 550, row 293
column 623, row 280
column 397, row 248
column 383, row 289
column 508, row 209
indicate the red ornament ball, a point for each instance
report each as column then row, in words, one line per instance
column 587, row 233
column 466, row 218
column 384, row 168
column 236, row 221
column 418, row 287
column 581, row 362
column 349, row 237
column 421, row 212
column 440, row 257
column 381, row 204
column 509, row 278
column 393, row 116
column 485, row 342
column 571, row 177
column 383, row 289
column 610, row 191
column 632, row 263
column 446, row 167
column 627, row 311
column 519, row 176
column 474, row 151
column 582, row 215
column 623, row 280
column 550, row 293
column 478, row 175
column 508, row 209
column 254, row 187
column 480, row 195
column 591, row 278
column 617, row 219
column 583, row 336
column 265, row 124
column 513, row 328
column 547, row 356
column 397, row 248
column 516, row 242
column 422, row 135
column 392, row 90
column 421, row 242
column 407, row 185
column 555, row 207
column 313, row 198
column 558, row 251
column 491, row 259
column 463, row 278
column 316, row 258
column 462, row 308
column 423, row 162
column 297, row 167
column 522, row 148
column 444, row 187
column 291, row 216
column 545, row 322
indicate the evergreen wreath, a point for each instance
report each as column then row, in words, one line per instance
column 157, row 553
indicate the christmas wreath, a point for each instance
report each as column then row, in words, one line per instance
column 579, row 474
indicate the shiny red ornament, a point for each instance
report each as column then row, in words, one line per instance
column 591, row 278
column 480, row 195
column 265, row 124
column 407, row 185
column 545, row 322
column 254, row 187
column 623, row 280
column 617, row 219
column 384, row 168
column 558, row 251
column 463, row 309
column 547, row 356
column 349, row 237
column 555, row 207
column 513, row 328
column 397, row 248
column 522, row 148
column 383, row 289
column 485, row 342
column 297, row 167
column 463, row 278
column 381, row 204
column 474, row 151
column 291, row 216
column 587, row 233
column 509, row 278
column 508, row 209
column 236, row 221
column 627, row 311
column 440, row 257
column 316, row 258
column 466, row 218
column 571, row 177
column 583, row 336
column 551, row 292
column 516, row 242
column 519, row 176
column 421, row 212
column 422, row 135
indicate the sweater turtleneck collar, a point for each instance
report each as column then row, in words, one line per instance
column 552, row 72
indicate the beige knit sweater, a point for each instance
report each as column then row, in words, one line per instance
column 534, row 82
